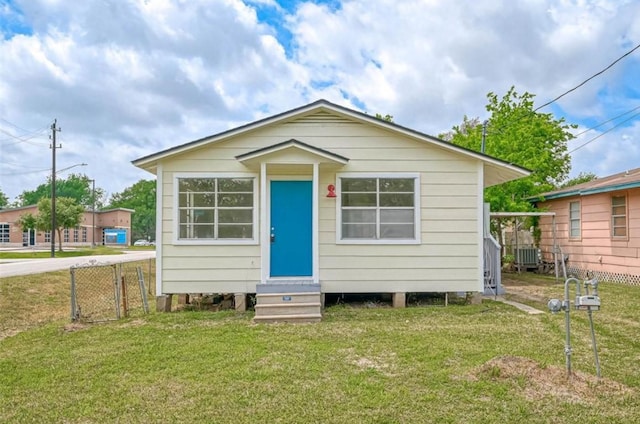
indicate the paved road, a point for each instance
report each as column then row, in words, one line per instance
column 12, row 267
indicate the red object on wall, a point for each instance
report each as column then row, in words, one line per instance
column 332, row 190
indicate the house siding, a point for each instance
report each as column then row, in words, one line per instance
column 446, row 259
column 596, row 250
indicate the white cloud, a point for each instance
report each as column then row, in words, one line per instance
column 126, row 79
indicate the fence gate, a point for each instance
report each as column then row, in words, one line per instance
column 104, row 292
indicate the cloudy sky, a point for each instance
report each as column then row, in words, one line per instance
column 126, row 78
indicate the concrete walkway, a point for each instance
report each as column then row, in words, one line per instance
column 13, row 267
column 526, row 308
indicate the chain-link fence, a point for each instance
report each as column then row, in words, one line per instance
column 103, row 292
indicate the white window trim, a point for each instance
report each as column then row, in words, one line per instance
column 626, row 218
column 579, row 219
column 416, row 200
column 210, row 242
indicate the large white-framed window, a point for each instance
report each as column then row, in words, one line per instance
column 4, row 233
column 574, row 220
column 47, row 236
column 214, row 208
column 619, row 216
column 65, row 235
column 380, row 208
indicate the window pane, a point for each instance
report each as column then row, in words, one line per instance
column 235, row 216
column 574, row 206
column 196, row 184
column 397, row 184
column 398, row 216
column 359, row 216
column 396, row 231
column 620, row 232
column 395, row 199
column 235, row 185
column 619, row 210
column 360, row 199
column 619, row 221
column 203, row 231
column 235, row 200
column 358, row 184
column 618, row 201
column 359, row 231
column 235, row 231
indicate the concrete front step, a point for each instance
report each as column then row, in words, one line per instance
column 288, row 318
column 288, row 309
column 286, row 298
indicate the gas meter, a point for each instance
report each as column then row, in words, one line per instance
column 587, row 303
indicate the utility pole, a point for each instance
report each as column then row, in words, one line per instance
column 53, row 147
column 484, row 135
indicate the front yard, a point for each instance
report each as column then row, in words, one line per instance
column 485, row 363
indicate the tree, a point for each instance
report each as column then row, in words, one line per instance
column 4, row 200
column 519, row 135
column 68, row 215
column 75, row 186
column 387, row 117
column 141, row 197
column 583, row 177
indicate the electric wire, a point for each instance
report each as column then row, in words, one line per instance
column 588, row 79
column 604, row 132
column 607, row 121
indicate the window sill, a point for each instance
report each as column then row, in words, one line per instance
column 209, row 242
column 383, row 242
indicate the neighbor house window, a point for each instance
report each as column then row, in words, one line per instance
column 47, row 236
column 84, row 234
column 75, row 235
column 4, row 233
column 216, row 208
column 381, row 209
column 65, row 235
column 574, row 219
column 619, row 216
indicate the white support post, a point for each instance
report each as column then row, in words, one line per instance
column 314, row 218
column 265, row 246
column 159, row 221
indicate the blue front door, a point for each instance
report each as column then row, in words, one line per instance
column 291, row 253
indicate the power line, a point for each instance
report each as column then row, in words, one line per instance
column 600, row 135
column 607, row 121
column 589, row 79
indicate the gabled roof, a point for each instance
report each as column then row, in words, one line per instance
column 621, row 181
column 498, row 171
column 296, row 144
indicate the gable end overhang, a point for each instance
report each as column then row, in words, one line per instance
column 324, row 156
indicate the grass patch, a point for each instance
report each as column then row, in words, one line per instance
column 42, row 254
column 487, row 363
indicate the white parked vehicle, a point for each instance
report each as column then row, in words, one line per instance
column 141, row 242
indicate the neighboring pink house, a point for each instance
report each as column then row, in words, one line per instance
column 597, row 226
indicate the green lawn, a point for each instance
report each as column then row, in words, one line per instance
column 486, row 363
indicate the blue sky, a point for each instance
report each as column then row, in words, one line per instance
column 128, row 78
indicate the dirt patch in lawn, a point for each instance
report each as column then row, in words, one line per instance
column 538, row 382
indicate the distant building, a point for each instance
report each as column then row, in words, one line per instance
column 108, row 227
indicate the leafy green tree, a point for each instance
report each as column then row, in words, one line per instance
column 75, row 186
column 141, row 197
column 4, row 200
column 583, row 177
column 519, row 135
column 68, row 215
column 387, row 117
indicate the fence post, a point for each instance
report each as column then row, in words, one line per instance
column 117, row 270
column 74, row 315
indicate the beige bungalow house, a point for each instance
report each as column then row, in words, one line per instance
column 320, row 199
column 106, row 227
column 597, row 227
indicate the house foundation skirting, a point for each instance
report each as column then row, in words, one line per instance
column 612, row 277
